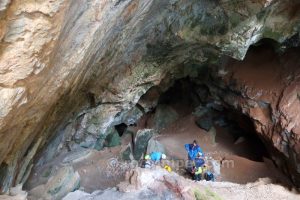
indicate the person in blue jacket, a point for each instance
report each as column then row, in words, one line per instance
column 199, row 161
column 157, row 156
column 193, row 150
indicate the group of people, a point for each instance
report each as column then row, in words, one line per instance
column 196, row 163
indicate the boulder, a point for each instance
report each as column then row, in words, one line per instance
column 126, row 154
column 141, row 142
column 110, row 138
column 205, row 123
column 155, row 146
column 113, row 139
column 64, row 181
column 164, row 116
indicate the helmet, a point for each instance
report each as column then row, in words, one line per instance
column 168, row 168
column 163, row 156
column 147, row 157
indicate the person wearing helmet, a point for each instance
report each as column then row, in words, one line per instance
column 168, row 168
column 157, row 156
column 199, row 161
column 198, row 173
column 147, row 162
column 147, row 157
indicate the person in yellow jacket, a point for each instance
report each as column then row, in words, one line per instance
column 147, row 162
column 198, row 173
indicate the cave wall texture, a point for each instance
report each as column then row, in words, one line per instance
column 60, row 59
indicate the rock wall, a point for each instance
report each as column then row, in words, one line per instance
column 265, row 87
column 68, row 58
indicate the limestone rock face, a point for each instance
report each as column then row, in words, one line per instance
column 68, row 60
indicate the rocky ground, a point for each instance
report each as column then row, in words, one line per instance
column 160, row 184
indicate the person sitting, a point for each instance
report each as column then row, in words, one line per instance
column 193, row 150
column 198, row 173
column 208, row 175
column 147, row 162
column 157, row 157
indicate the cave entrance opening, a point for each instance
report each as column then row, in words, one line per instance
column 121, row 128
column 187, row 112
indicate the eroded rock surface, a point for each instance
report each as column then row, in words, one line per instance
column 160, row 184
column 265, row 88
column 87, row 63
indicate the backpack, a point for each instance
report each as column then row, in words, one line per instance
column 208, row 176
